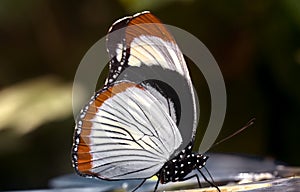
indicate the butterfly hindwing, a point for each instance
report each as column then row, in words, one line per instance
column 124, row 133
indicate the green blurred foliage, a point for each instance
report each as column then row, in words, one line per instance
column 256, row 43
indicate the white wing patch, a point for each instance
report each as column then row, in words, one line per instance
column 132, row 135
column 166, row 102
column 151, row 50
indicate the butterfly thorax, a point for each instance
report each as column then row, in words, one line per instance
column 177, row 168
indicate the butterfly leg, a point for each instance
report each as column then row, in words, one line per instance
column 139, row 185
column 208, row 181
column 190, row 177
column 155, row 188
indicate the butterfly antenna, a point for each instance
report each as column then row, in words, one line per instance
column 251, row 122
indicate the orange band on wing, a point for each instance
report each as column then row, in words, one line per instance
column 148, row 25
column 84, row 157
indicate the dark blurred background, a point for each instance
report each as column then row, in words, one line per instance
column 256, row 44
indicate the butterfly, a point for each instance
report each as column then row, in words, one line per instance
column 130, row 128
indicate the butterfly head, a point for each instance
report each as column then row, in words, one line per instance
column 201, row 160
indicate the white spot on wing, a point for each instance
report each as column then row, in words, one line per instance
column 119, row 52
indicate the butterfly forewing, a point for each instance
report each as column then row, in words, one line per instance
column 144, row 41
